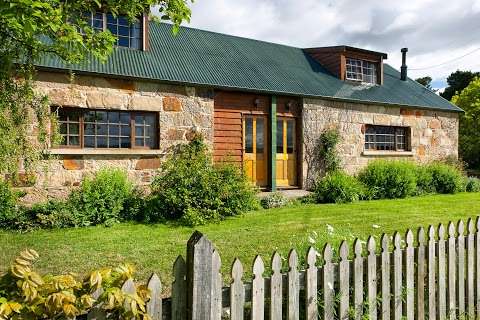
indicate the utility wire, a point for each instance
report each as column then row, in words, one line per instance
column 447, row 62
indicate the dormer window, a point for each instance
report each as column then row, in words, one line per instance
column 350, row 63
column 361, row 70
column 129, row 35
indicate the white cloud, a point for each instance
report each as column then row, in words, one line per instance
column 435, row 31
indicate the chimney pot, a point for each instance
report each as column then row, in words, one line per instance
column 403, row 69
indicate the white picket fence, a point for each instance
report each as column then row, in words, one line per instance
column 431, row 277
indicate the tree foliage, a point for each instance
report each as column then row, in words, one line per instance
column 469, row 101
column 457, row 81
column 34, row 28
column 425, row 81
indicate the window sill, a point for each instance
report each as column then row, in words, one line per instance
column 73, row 151
column 388, row 153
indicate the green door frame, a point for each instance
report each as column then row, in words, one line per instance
column 272, row 137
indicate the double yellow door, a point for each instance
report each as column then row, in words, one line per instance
column 255, row 151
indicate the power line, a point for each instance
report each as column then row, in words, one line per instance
column 447, row 62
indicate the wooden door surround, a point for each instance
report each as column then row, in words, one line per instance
column 237, row 118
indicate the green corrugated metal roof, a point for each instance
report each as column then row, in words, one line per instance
column 208, row 58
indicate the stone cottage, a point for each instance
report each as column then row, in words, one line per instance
column 258, row 104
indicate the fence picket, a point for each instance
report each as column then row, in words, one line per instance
column 432, row 311
column 397, row 277
column 470, row 269
column 258, row 289
column 293, row 305
column 344, row 279
column 442, row 285
column 154, row 305
column 358, row 279
column 477, row 273
column 452, row 279
column 385, row 278
column 276, row 288
column 328, row 284
column 409, row 275
column 372, row 279
column 179, row 290
column 311, row 275
column 128, row 288
column 237, row 292
column 461, row 269
column 217, row 285
column 421, row 274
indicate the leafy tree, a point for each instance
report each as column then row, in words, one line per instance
column 31, row 29
column 457, row 81
column 425, row 81
column 469, row 101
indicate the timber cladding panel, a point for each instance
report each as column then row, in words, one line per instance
column 228, row 115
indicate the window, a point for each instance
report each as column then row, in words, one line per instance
column 128, row 35
column 361, row 70
column 107, row 129
column 95, row 20
column 386, row 138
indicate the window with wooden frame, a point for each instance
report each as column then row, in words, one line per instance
column 361, row 70
column 129, row 35
column 103, row 129
column 387, row 138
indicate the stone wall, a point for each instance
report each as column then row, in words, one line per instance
column 434, row 134
column 181, row 112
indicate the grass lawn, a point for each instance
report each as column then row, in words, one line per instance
column 155, row 247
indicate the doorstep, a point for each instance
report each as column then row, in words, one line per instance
column 288, row 192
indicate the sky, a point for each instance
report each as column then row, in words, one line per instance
column 442, row 36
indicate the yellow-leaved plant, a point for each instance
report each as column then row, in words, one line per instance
column 25, row 294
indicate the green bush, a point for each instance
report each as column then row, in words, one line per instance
column 101, row 198
column 190, row 188
column 50, row 215
column 389, row 179
column 329, row 140
column 424, row 181
column 8, row 204
column 445, row 178
column 274, row 200
column 472, row 184
column 338, row 187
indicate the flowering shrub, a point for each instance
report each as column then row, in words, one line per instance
column 25, row 294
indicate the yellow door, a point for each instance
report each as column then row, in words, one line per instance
column 254, row 149
column 286, row 153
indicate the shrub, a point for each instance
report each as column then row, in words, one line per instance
column 389, row 179
column 274, row 200
column 338, row 187
column 101, row 198
column 50, row 215
column 190, row 188
column 329, row 140
column 472, row 184
column 25, row 294
column 424, row 181
column 445, row 178
column 8, row 204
